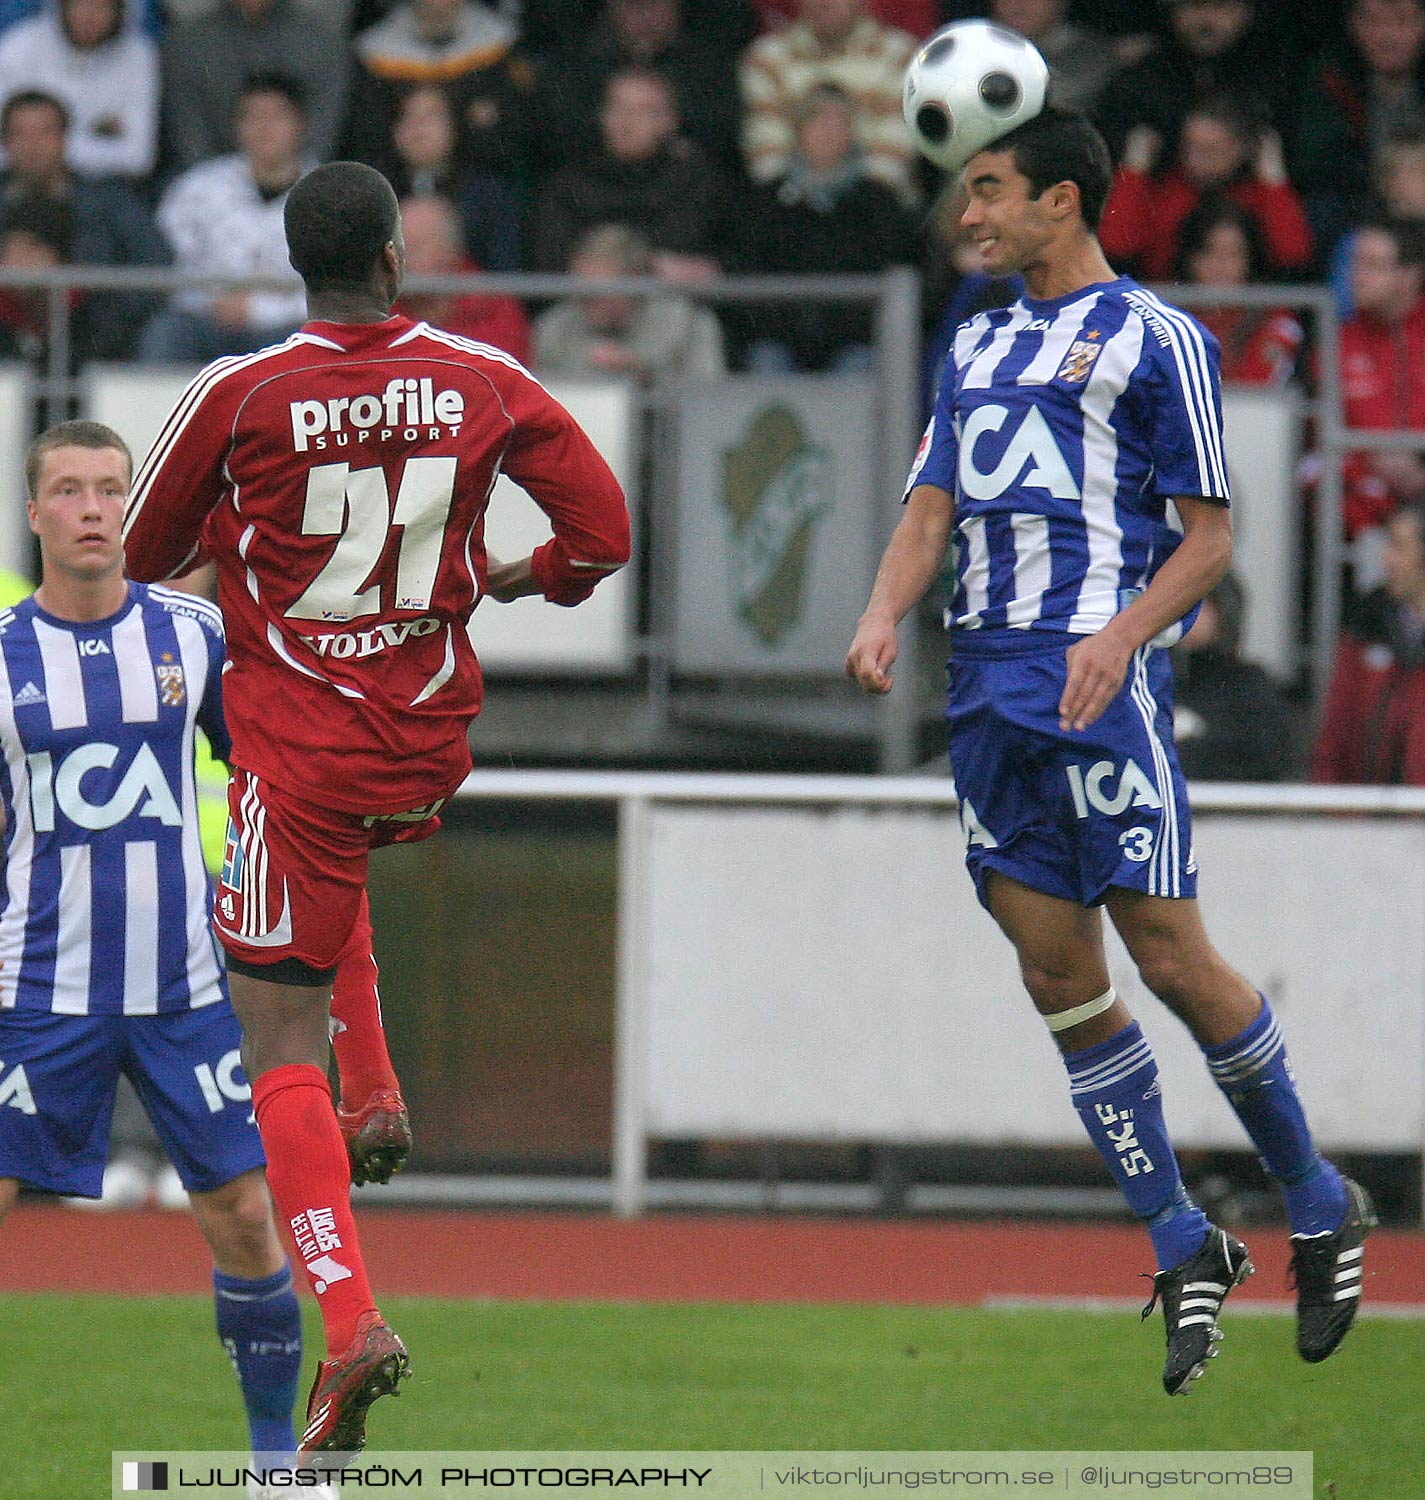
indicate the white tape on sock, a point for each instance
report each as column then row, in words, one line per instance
column 1061, row 1020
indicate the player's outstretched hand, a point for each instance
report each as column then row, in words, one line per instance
column 1097, row 666
column 871, row 656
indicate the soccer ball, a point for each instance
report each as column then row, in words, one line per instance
column 971, row 82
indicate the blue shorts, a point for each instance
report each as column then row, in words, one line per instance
column 1069, row 814
column 57, row 1080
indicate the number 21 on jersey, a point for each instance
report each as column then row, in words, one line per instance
column 354, row 505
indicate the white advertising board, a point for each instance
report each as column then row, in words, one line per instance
column 827, row 974
column 1262, row 429
column 530, row 635
column 16, row 410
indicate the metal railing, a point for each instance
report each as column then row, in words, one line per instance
column 1333, row 441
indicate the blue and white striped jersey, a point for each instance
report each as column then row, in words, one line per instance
column 106, row 903
column 1063, row 429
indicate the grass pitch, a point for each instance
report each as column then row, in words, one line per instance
column 84, row 1375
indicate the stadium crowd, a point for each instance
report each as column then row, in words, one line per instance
column 1254, row 141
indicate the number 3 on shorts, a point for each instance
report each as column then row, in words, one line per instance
column 1137, row 844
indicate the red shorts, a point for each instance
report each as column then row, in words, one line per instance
column 294, row 874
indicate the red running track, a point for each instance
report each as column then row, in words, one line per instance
column 723, row 1258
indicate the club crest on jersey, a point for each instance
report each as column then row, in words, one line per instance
column 1080, row 358
column 172, row 689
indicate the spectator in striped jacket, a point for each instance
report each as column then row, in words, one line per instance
column 833, row 41
column 464, row 48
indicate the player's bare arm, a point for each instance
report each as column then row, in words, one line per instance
column 508, row 581
column 1098, row 664
column 909, row 566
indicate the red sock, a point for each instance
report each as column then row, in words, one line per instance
column 362, row 1062
column 310, row 1179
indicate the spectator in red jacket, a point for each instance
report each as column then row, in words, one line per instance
column 1221, row 245
column 433, row 248
column 1383, row 366
column 1219, row 151
column 1373, row 730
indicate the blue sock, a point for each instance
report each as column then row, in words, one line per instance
column 1114, row 1087
column 1255, row 1074
column 260, row 1325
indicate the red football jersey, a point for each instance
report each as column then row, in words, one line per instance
column 339, row 480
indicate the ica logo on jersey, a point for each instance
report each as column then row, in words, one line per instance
column 1093, row 788
column 142, row 788
column 1030, row 460
column 408, row 408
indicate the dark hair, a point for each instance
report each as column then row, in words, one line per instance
column 816, row 98
column 49, row 220
column 1407, row 134
column 339, row 218
column 274, row 81
column 29, row 99
column 1408, row 235
column 71, row 435
column 1211, row 213
column 1060, row 145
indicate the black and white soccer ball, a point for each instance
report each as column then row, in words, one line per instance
column 969, row 84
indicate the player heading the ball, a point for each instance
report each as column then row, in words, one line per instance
column 1074, row 466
